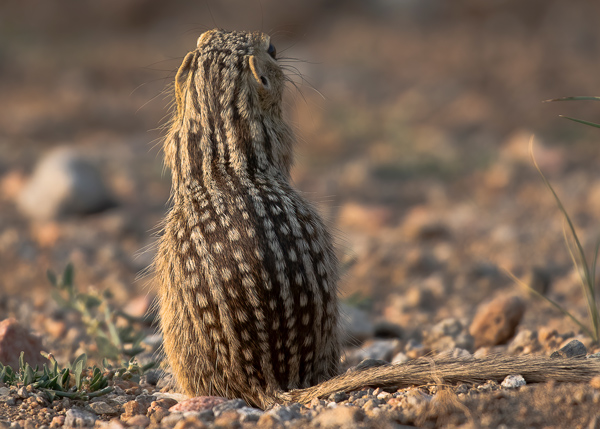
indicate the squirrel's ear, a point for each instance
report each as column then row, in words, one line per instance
column 257, row 72
column 203, row 37
column 179, row 78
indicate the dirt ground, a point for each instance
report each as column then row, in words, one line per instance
column 413, row 121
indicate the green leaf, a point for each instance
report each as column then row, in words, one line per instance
column 22, row 362
column 90, row 301
column 591, row 124
column 28, row 375
column 104, row 391
column 67, row 279
column 51, row 395
column 81, row 358
column 78, row 371
column 64, row 380
column 52, row 278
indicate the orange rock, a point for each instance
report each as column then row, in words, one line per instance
column 14, row 339
column 496, row 322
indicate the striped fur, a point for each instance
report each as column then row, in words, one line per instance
column 246, row 269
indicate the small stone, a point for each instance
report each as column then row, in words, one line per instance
column 368, row 363
column 57, row 421
column 190, row 423
column 231, row 405
column 166, row 402
column 356, row 325
column 370, row 404
column 418, row 399
column 63, row 183
column 414, row 349
column 595, row 382
column 8, row 400
column 249, row 414
column 133, row 408
column 400, row 358
column 228, row 419
column 450, row 327
column 102, row 408
column 461, row 388
column 496, row 322
column 145, row 400
column 575, row 348
column 338, row 397
column 78, row 418
column 22, row 392
column 513, row 381
column 546, row 334
column 139, row 306
column 152, row 377
column 14, row 339
column 198, row 403
column 139, row 420
column 339, row 417
column 376, row 349
column 172, row 419
column 384, row 395
column 285, row 413
column 362, row 217
column 267, row 421
column 455, row 353
column 115, row 423
column 156, row 412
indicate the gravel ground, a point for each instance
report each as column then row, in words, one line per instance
column 417, row 157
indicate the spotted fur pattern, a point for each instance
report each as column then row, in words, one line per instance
column 246, row 269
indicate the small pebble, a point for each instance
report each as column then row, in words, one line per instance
column 575, row 348
column 496, row 322
column 249, row 414
column 338, row 397
column 139, row 420
column 231, row 405
column 77, row 418
column 102, row 408
column 172, row 419
column 199, row 403
column 513, row 381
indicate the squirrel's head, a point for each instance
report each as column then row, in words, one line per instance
column 229, row 95
column 232, row 63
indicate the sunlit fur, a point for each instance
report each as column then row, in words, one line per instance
column 246, row 269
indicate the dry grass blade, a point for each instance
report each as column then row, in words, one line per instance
column 576, row 98
column 587, row 275
column 550, row 301
column 581, row 121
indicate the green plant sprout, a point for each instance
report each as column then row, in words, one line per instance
column 75, row 381
column 117, row 343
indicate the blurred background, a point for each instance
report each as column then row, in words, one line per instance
column 413, row 119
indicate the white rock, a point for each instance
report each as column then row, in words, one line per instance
column 513, row 381
column 63, row 183
column 77, row 418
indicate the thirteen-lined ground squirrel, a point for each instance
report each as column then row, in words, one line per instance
column 246, row 268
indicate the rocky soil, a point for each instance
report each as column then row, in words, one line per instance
column 417, row 157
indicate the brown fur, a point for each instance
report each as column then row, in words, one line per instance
column 246, row 269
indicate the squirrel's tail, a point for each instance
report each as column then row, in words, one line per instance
column 534, row 369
